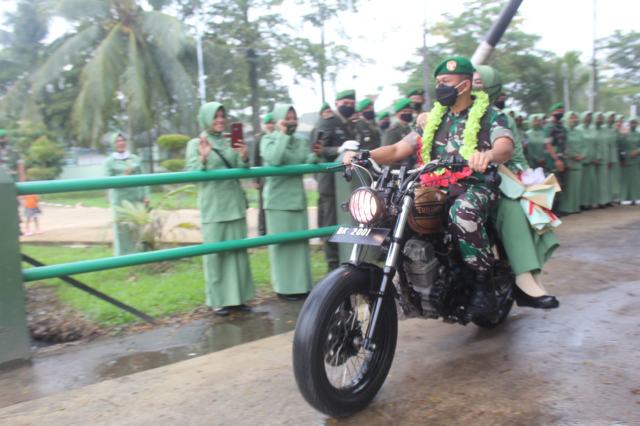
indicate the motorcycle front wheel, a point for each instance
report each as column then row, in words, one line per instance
column 334, row 372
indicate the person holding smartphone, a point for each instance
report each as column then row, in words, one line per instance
column 223, row 206
column 285, row 204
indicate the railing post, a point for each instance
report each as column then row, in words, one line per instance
column 14, row 335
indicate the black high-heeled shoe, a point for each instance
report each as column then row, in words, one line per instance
column 541, row 302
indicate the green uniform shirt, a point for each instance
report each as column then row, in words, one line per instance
column 119, row 167
column 630, row 144
column 335, row 131
column 577, row 146
column 396, row 133
column 224, row 200
column 284, row 192
column 368, row 134
column 535, row 148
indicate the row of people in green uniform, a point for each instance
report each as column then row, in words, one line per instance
column 595, row 155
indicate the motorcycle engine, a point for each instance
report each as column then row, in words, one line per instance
column 421, row 268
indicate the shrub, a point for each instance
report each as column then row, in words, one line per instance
column 173, row 165
column 44, row 159
column 174, row 144
column 42, row 173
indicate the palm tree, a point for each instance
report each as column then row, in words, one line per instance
column 131, row 62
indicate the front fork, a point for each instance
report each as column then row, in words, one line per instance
column 389, row 269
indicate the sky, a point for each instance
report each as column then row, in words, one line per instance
column 388, row 32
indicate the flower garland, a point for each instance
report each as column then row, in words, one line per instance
column 469, row 134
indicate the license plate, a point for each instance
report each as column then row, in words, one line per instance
column 366, row 236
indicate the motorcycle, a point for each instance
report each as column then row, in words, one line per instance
column 345, row 336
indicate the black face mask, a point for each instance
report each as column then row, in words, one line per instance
column 499, row 104
column 369, row 115
column 346, row 111
column 385, row 125
column 417, row 106
column 406, row 117
column 446, row 95
column 558, row 115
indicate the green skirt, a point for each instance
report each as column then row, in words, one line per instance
column 527, row 251
column 290, row 262
column 630, row 189
column 589, row 193
column 227, row 275
column 604, row 184
column 571, row 192
column 615, row 177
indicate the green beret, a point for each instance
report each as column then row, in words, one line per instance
column 267, row 117
column 325, row 105
column 3, row 133
column 454, row 65
column 363, row 104
column 401, row 104
column 346, row 94
column 415, row 91
column 382, row 115
column 556, row 106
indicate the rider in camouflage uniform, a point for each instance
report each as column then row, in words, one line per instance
column 473, row 201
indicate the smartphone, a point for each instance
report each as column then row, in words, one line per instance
column 236, row 134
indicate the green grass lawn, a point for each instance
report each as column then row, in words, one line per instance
column 157, row 291
column 180, row 201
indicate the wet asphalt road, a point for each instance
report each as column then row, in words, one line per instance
column 577, row 365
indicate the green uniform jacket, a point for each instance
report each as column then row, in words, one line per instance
column 396, row 132
column 278, row 149
column 368, row 134
column 535, row 148
column 335, row 131
column 223, row 200
column 114, row 167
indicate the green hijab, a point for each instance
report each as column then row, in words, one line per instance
column 207, row 114
column 607, row 116
column 491, row 81
column 280, row 113
column 530, row 121
column 114, row 137
column 595, row 118
column 566, row 120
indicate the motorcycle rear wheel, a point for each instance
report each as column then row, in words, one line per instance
column 326, row 343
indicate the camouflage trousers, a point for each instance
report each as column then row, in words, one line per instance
column 467, row 218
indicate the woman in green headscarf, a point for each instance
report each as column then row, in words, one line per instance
column 605, row 138
column 615, row 174
column 122, row 162
column 536, row 153
column 589, row 188
column 228, row 281
column 527, row 251
column 285, row 204
column 576, row 153
column 630, row 147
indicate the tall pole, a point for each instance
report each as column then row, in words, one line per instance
column 426, row 73
column 565, row 86
column 593, row 93
column 483, row 51
column 202, row 94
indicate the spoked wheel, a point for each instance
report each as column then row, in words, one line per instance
column 336, row 374
column 503, row 283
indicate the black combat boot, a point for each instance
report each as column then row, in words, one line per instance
column 483, row 297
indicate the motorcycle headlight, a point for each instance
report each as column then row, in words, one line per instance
column 365, row 206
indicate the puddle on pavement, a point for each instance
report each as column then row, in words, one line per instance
column 93, row 362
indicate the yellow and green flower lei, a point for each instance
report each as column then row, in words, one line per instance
column 469, row 134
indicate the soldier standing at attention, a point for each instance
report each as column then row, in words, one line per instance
column 332, row 132
column 384, row 121
column 366, row 128
column 556, row 142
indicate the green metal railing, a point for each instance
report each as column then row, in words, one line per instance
column 12, row 321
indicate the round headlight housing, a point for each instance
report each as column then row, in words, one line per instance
column 366, row 206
